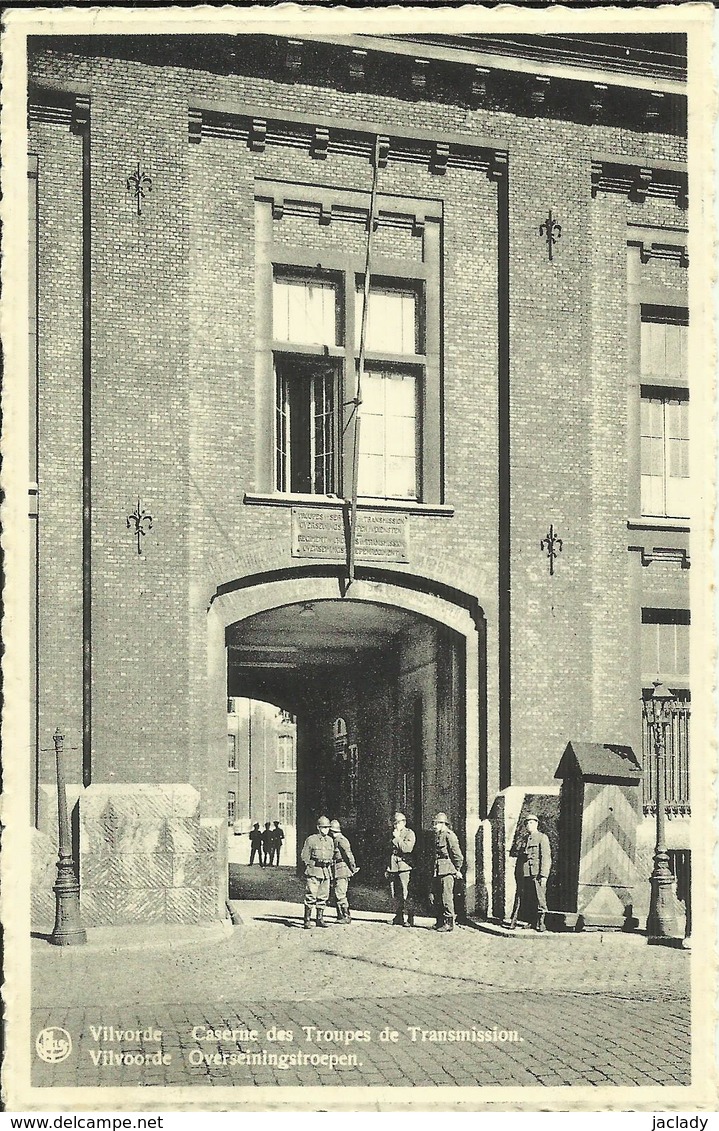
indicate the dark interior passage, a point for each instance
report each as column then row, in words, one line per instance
column 378, row 695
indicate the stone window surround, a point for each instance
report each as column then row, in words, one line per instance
column 321, row 205
column 640, row 292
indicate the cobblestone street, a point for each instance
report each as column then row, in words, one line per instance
column 587, row 1009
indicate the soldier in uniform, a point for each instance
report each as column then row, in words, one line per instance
column 534, row 863
column 267, row 843
column 447, row 868
column 317, row 855
column 278, row 835
column 343, row 869
column 256, row 844
column 399, row 869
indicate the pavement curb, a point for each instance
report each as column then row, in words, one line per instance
column 138, row 937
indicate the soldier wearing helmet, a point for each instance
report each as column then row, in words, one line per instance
column 447, row 868
column 343, row 869
column 317, row 856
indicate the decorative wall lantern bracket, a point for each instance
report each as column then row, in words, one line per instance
column 139, row 522
column 138, row 185
column 551, row 229
column 553, row 547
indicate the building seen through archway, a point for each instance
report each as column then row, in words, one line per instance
column 261, row 773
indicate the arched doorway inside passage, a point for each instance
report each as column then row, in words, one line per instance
column 387, row 686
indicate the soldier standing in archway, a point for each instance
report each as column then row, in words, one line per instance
column 399, row 869
column 343, row 869
column 447, row 868
column 317, row 855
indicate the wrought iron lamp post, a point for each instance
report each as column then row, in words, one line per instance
column 68, row 930
column 665, row 914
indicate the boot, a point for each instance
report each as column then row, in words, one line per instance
column 540, row 921
column 410, row 920
column 446, row 927
column 308, row 919
column 321, row 917
column 344, row 915
column 398, row 920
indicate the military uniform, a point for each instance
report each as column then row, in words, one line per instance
column 343, row 869
column 399, row 871
column 256, row 845
column 267, row 843
column 317, row 855
column 534, row 863
column 278, row 835
column 447, row 868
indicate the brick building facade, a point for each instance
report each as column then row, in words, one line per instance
column 199, row 209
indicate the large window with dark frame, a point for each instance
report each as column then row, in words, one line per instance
column 664, row 413
column 306, row 330
column 316, row 346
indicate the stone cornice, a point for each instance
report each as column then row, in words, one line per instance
column 659, row 243
column 539, row 55
column 672, row 555
column 65, row 108
column 638, row 180
column 527, row 79
column 661, row 250
column 322, row 136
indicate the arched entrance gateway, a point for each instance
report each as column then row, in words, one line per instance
column 385, row 686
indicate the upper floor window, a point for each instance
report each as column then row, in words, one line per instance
column 305, row 310
column 315, row 379
column 663, row 346
column 389, row 433
column 393, row 323
column 231, row 799
column 286, row 808
column 664, row 413
column 306, row 323
column 232, row 752
column 309, row 312
column 665, row 646
column 286, row 753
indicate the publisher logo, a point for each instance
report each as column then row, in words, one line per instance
column 53, row 1044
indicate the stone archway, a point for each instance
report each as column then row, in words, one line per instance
column 238, row 605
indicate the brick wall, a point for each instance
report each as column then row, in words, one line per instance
column 60, row 443
column 176, row 417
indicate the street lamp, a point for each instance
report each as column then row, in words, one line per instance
column 665, row 914
column 68, row 929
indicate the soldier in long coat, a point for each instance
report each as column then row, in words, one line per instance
column 447, row 868
column 343, row 869
column 317, row 855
